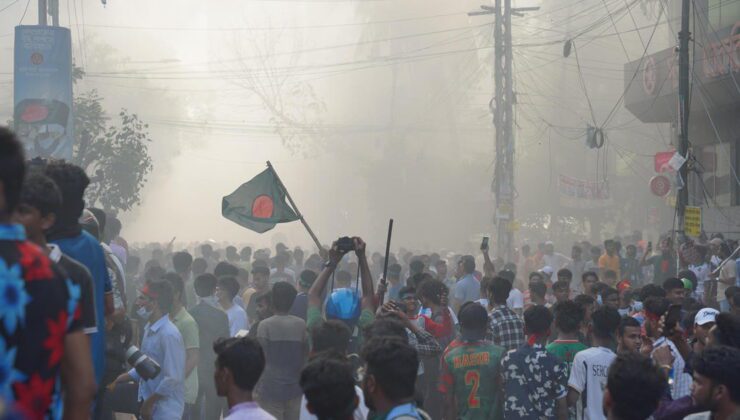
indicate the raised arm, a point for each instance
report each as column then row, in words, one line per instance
column 368, row 295
column 317, row 289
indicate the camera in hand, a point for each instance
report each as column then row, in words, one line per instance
column 145, row 366
column 345, row 244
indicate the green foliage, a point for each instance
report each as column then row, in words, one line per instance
column 115, row 155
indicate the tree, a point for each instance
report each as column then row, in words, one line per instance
column 115, row 156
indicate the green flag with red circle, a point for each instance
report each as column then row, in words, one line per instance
column 258, row 204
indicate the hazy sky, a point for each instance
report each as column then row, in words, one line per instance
column 400, row 91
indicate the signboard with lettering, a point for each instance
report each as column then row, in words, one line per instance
column 43, row 91
column 692, row 221
column 581, row 193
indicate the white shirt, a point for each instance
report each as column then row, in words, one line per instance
column 681, row 385
column 360, row 412
column 515, row 299
column 702, row 274
column 248, row 410
column 237, row 319
column 589, row 372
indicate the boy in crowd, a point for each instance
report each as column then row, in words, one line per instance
column 634, row 388
column 561, row 290
column 717, row 383
column 507, row 328
column 589, row 280
column 589, row 373
column 228, row 287
column 534, row 379
column 328, row 385
column 674, row 290
column 568, row 320
column 471, row 366
column 629, row 336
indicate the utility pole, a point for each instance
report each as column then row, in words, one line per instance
column 683, row 98
column 42, row 13
column 503, row 121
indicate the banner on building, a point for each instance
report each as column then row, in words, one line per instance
column 580, row 193
column 42, row 88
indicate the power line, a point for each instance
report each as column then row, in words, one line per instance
column 8, row 6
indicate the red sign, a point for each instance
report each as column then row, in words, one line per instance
column 660, row 185
column 661, row 161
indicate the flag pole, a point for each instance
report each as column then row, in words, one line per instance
column 298, row 212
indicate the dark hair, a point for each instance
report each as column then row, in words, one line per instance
column 508, row 275
column 605, row 321
column 416, row 266
column 727, row 331
column 113, row 228
column 672, row 283
column 154, row 272
column 225, row 269
column 200, row 265
column 651, row 290
column 565, row 273
column 688, row 274
column 406, row 290
column 537, row 319
column 264, row 296
column 165, row 295
column 499, row 289
column 635, row 385
column 721, row 364
column 205, row 285
column 656, row 305
column 468, row 264
column 587, row 274
column 535, row 274
column 473, row 318
column 627, row 321
column 283, row 295
column 101, row 218
column 386, row 325
column 331, row 335
column 608, row 291
column 41, row 193
column 182, row 261
column 72, row 182
column 243, row 357
column 431, row 289
column 731, row 291
column 245, row 253
column 229, row 284
column 329, row 386
column 260, row 269
column 568, row 316
column 12, row 169
column 561, row 285
column 584, row 300
column 178, row 286
column 538, row 288
column 394, row 365
column 307, row 278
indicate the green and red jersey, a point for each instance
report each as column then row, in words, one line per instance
column 471, row 369
column 566, row 351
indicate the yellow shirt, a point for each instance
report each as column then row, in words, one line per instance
column 610, row 263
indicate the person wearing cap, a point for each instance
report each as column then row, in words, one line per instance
column 471, row 369
column 703, row 322
column 300, row 304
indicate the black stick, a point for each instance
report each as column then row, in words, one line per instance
column 387, row 257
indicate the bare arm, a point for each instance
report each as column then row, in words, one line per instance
column 489, row 269
column 572, row 397
column 562, row 408
column 191, row 360
column 78, row 377
column 110, row 307
column 368, row 295
column 648, row 251
column 316, row 291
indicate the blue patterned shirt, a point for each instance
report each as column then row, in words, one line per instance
column 534, row 380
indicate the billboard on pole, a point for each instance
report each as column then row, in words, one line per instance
column 42, row 90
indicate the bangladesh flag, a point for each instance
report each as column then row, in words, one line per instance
column 258, row 204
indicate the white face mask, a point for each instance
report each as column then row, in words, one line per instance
column 210, row 300
column 143, row 312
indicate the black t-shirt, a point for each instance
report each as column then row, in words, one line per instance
column 80, row 275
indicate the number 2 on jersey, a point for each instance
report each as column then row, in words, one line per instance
column 472, row 378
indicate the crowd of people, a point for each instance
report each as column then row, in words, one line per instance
column 92, row 327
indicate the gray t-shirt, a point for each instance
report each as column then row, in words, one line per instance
column 467, row 289
column 285, row 343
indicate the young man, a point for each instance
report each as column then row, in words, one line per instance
column 629, row 336
column 182, row 263
column 300, row 304
column 507, row 329
column 264, row 311
column 568, row 320
column 467, row 289
column 634, row 388
column 537, row 293
column 82, row 247
column 610, row 259
column 329, row 387
column 561, row 290
column 161, row 397
column 534, row 379
column 630, row 267
column 704, row 320
column 674, row 290
column 284, row 339
column 239, row 365
column 281, row 272
column 227, row 289
column 576, row 266
column 41, row 334
column 471, row 369
column 664, row 265
column 388, row 386
column 593, row 264
column 394, row 282
column 717, row 383
column 213, row 324
column 589, row 373
column 610, row 298
column 589, row 280
column 190, row 336
column 261, row 285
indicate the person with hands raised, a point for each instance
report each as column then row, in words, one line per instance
column 343, row 304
